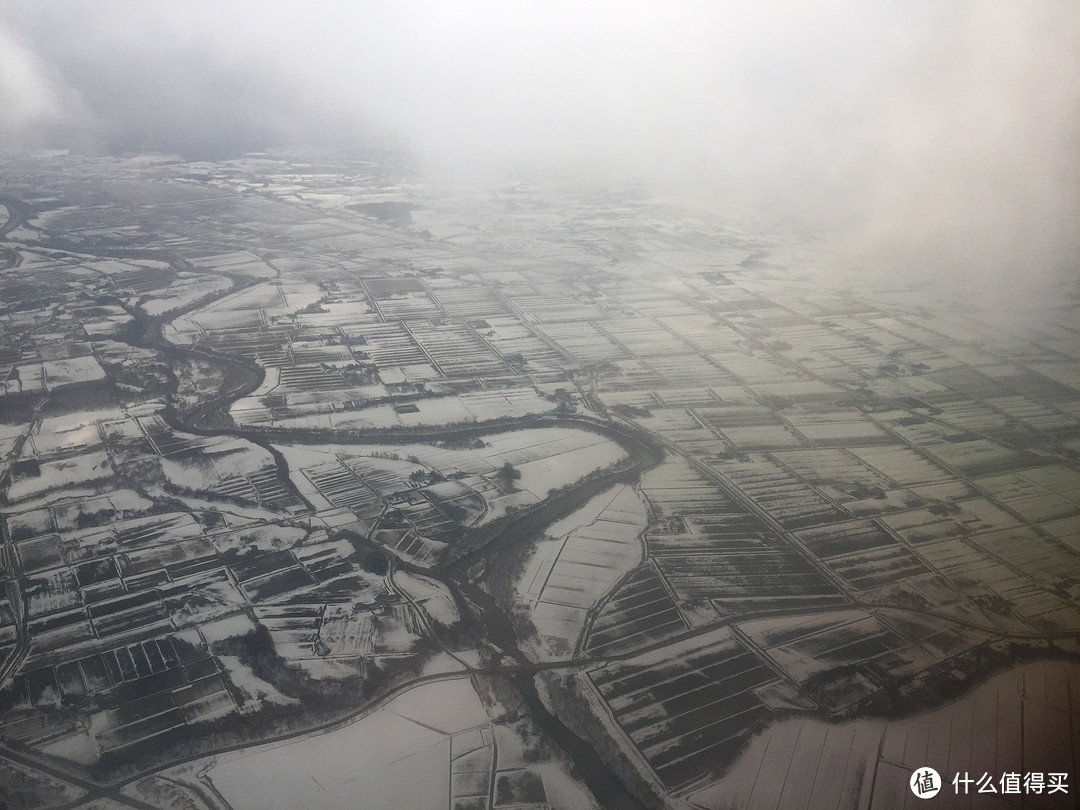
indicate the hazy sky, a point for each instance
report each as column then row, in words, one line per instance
column 938, row 135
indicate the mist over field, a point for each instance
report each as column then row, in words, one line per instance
column 936, row 139
column 504, row 403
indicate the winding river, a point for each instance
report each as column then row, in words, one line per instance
column 492, row 622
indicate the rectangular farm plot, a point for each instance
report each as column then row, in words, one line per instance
column 1055, row 478
column 998, row 589
column 805, row 646
column 690, row 368
column 857, row 640
column 303, row 378
column 293, row 627
column 740, row 580
column 877, row 568
column 1046, row 561
column 388, row 345
column 505, row 403
column 401, row 299
column 838, row 474
column 50, row 592
column 584, row 342
column 476, row 406
column 247, row 337
column 341, row 485
column 679, row 425
column 129, row 611
column 980, row 457
column 692, row 514
column 512, row 339
column 924, row 525
column 665, row 354
column 646, row 338
column 639, row 612
column 1039, row 494
column 549, row 303
column 844, row 538
column 347, row 633
column 28, row 524
column 1044, row 507
column 273, row 575
column 973, row 416
column 751, row 427
column 465, row 300
column 762, row 437
column 782, row 494
column 863, row 554
column 410, row 543
column 368, row 485
column 182, row 702
column 627, row 375
column 159, row 530
column 426, row 518
column 58, row 630
column 456, row 500
column 457, row 351
column 581, row 576
column 591, row 560
column 153, row 686
column 688, row 710
column 40, row 553
column 902, row 465
column 684, row 397
column 1067, row 530
column 67, row 472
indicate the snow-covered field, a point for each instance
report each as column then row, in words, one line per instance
column 61, row 373
column 1016, row 722
column 330, row 413
column 188, row 288
column 546, row 458
column 401, row 755
column 65, row 474
column 570, row 571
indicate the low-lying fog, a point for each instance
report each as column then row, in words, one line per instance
column 935, row 139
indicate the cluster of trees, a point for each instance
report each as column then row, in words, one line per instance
column 508, row 473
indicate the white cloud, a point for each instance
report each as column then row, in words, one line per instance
column 934, row 135
column 28, row 95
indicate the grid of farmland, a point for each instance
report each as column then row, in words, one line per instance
column 855, row 489
column 640, row 611
column 457, row 351
column 309, row 378
column 387, row 344
column 548, row 304
column 464, row 301
column 702, row 516
column 740, row 580
column 862, row 554
column 585, row 342
column 402, row 299
column 250, row 343
column 689, row 709
column 750, row 427
column 780, row 493
column 590, row 561
column 263, row 487
column 509, row 337
column 342, row 486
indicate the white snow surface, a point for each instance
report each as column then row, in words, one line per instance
column 397, row 756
